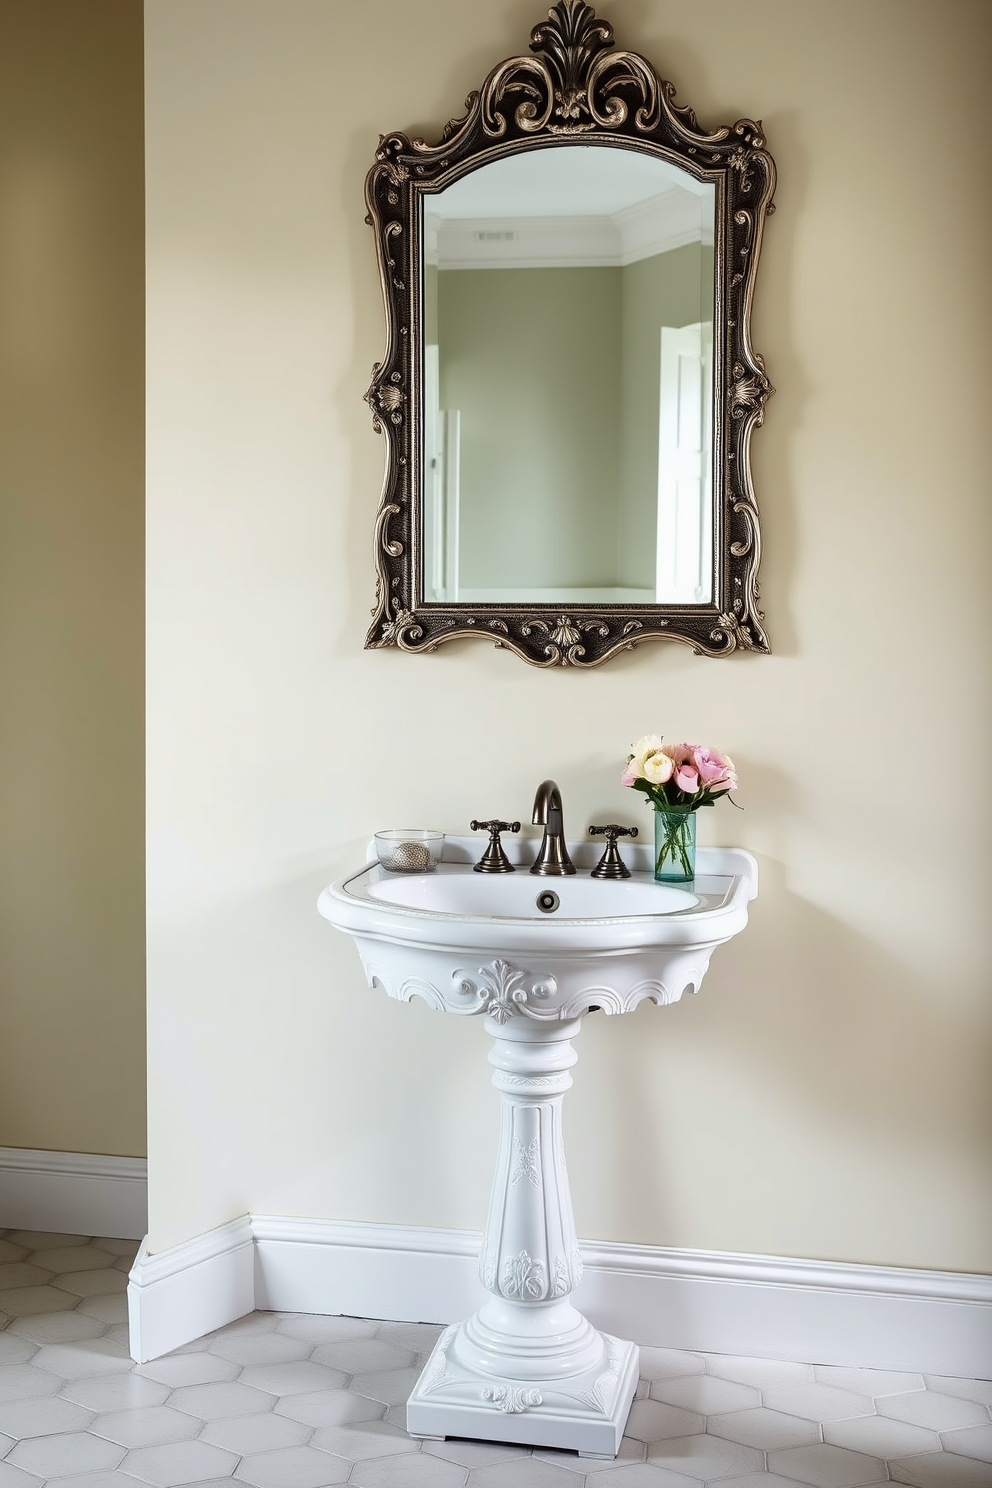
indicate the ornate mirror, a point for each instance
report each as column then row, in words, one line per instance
column 569, row 389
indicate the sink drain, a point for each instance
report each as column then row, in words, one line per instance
column 548, row 901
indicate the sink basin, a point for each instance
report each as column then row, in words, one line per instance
column 528, row 1367
column 452, row 891
column 609, row 944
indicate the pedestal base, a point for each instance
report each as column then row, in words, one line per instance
column 584, row 1412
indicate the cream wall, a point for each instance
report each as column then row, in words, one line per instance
column 71, row 552
column 826, row 1094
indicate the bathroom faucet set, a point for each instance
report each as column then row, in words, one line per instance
column 552, row 860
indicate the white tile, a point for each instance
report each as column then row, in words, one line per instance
column 827, row 1467
column 11, row 1252
column 85, row 1358
column 57, row 1327
column 630, row 1452
column 364, row 1355
column 111, row 1392
column 817, row 1402
column 75, row 1258
column 313, row 1328
column 146, row 1426
column 880, row 1436
column 330, row 1408
column 705, row 1457
column 392, row 1386
column 765, row 1480
column 764, row 1429
column 261, row 1348
column 117, row 1247
column 23, row 1381
column 215, row 1402
column 651, row 1420
column 252, row 1322
column 16, row 1477
column 293, row 1467
column 73, row 1451
column 368, row 1439
column 33, row 1417
column 189, row 1369
column 980, row 1390
column 479, row 1453
column 867, row 1381
column 6, row 1442
column 112, row 1309
column 936, row 1470
column 936, row 1412
column 14, row 1349
column 703, row 1393
column 112, row 1478
column 295, row 1378
column 255, row 1433
column 420, row 1337
column 23, row 1273
column 664, row 1363
column 91, row 1283
column 179, row 1464
column 28, row 1301
column 970, row 1441
column 758, row 1372
column 637, row 1475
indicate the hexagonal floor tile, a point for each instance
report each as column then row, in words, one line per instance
column 940, row 1470
column 706, row 1458
column 71, row 1451
column 526, row 1472
column 965, row 1389
column 424, row 1472
column 112, row 1392
column 147, row 1426
column 664, row 1363
column 705, row 1394
column 188, row 1369
column 10, row 1252
column 873, row 1382
column 255, row 1433
column 14, row 1349
column 26, row 1301
column 69, row 1258
column 826, row 1466
column 56, row 1327
column 261, row 1348
column 330, row 1408
column 631, row 1453
column 970, row 1441
column 293, row 1467
column 879, row 1436
column 364, row 1356
column 651, row 1420
column 419, row 1337
column 91, row 1283
column 32, row 1417
column 765, row 1429
column 216, row 1401
column 643, row 1475
column 22, row 1381
column 179, row 1464
column 761, row 1373
column 85, row 1358
column 293, row 1378
column 476, row 1453
column 23, row 1273
column 357, row 1443
column 313, row 1328
column 935, row 1412
column 817, row 1402
column 42, row 1240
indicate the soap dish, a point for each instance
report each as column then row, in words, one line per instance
column 409, row 849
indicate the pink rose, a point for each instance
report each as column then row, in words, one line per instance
column 715, row 768
column 680, row 753
column 687, row 779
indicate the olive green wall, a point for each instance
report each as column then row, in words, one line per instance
column 71, row 578
column 669, row 289
column 539, row 507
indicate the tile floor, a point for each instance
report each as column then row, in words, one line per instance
column 278, row 1400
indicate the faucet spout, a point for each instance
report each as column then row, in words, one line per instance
column 553, row 857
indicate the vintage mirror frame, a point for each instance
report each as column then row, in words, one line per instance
column 573, row 87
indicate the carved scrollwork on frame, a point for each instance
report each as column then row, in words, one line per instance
column 573, row 86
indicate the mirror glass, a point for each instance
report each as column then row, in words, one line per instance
column 567, row 332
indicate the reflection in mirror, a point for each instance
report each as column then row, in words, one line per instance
column 568, row 301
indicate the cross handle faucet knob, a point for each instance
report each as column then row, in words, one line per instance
column 494, row 859
column 611, row 865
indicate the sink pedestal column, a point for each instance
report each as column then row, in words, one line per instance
column 528, row 1367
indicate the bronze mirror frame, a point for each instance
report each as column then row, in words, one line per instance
column 574, row 86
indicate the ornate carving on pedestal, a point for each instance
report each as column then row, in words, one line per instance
column 511, row 1399
column 504, row 990
column 526, row 1163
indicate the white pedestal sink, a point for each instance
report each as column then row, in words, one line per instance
column 528, row 1367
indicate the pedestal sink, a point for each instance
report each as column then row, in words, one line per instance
column 528, row 1367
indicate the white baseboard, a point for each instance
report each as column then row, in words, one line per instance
column 823, row 1312
column 73, row 1193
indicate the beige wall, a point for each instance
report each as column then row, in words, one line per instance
column 826, row 1094
column 71, row 551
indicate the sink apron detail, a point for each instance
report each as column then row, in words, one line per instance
column 528, row 1367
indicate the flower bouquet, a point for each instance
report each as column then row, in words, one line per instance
column 677, row 779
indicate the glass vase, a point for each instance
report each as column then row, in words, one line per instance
column 674, row 845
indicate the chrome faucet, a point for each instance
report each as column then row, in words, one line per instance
column 553, row 857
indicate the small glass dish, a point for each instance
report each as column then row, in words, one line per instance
column 409, row 849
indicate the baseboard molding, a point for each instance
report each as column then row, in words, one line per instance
column 73, row 1193
column 824, row 1312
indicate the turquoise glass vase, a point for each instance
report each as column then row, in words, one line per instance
column 674, row 845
